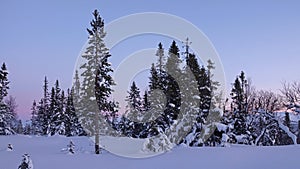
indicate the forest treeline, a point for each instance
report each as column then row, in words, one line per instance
column 181, row 96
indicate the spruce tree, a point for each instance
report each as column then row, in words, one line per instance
column 53, row 110
column 45, row 107
column 12, row 110
column 161, row 59
column 154, row 79
column 6, row 116
column 134, row 99
column 43, row 119
column 73, row 127
column 173, row 61
column 61, row 115
column 3, row 82
column 56, row 110
column 239, row 99
column 76, row 90
column 19, row 127
column 145, row 102
column 97, row 81
column 133, row 110
column 35, row 123
column 43, row 112
column 205, row 92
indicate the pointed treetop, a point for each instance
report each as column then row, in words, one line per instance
column 96, row 23
column 3, row 67
column 187, row 44
column 160, row 46
column 174, row 50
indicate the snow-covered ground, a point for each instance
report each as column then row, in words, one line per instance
column 51, row 153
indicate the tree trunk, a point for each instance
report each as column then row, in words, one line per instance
column 97, row 134
column 97, row 148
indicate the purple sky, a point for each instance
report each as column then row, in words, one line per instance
column 44, row 38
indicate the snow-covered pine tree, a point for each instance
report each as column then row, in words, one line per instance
column 147, row 116
column 3, row 82
column 53, row 108
column 145, row 101
column 173, row 76
column 134, row 103
column 205, row 93
column 173, row 61
column 27, row 129
column 73, row 127
column 12, row 109
column 71, row 147
column 240, row 107
column 97, row 81
column 165, row 100
column 42, row 119
column 189, row 110
column 56, row 110
column 161, row 58
column 157, row 102
column 76, row 87
column 44, row 108
column 35, row 125
column 26, row 162
column 62, row 119
column 19, row 127
column 103, row 90
column 133, row 112
column 192, row 66
column 43, row 114
column 6, row 115
column 9, row 147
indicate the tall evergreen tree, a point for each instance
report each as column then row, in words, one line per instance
column 43, row 113
column 205, row 92
column 154, row 79
column 53, row 111
column 161, row 59
column 35, row 121
column 72, row 125
column 12, row 110
column 4, row 82
column 76, row 91
column 61, row 115
column 145, row 102
column 238, row 93
column 56, row 110
column 97, row 80
column 45, row 105
column 133, row 110
column 239, row 99
column 173, row 61
column 6, row 116
column 134, row 98
column 19, row 127
column 43, row 119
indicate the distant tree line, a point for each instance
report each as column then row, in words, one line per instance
column 55, row 114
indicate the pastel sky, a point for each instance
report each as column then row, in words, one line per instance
column 44, row 38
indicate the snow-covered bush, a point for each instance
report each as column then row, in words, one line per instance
column 160, row 143
column 9, row 147
column 26, row 162
column 71, row 147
